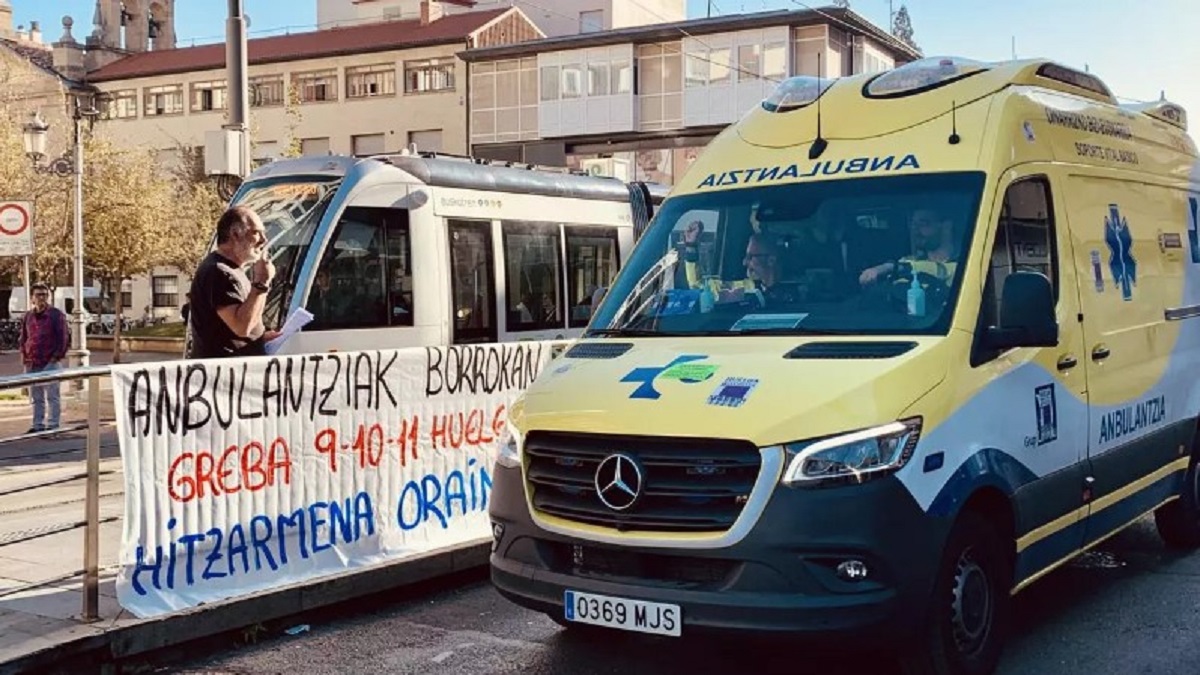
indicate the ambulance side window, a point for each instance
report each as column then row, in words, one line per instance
column 1025, row 242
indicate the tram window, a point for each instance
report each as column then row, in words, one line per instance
column 472, row 276
column 364, row 280
column 533, row 261
column 592, row 263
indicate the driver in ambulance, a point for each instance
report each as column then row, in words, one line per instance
column 933, row 249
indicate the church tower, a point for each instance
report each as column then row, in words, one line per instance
column 135, row 25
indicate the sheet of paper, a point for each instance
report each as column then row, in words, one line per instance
column 298, row 319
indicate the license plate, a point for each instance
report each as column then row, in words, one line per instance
column 621, row 613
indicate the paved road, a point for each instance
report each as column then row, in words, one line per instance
column 1130, row 608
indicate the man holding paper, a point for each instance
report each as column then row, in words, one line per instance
column 227, row 305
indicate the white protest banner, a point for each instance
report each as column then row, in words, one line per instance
column 246, row 474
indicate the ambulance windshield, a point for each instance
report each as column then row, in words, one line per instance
column 831, row 257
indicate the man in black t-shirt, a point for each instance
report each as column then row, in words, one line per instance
column 226, row 307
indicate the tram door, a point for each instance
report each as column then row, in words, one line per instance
column 472, row 282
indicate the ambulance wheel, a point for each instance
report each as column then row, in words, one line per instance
column 968, row 616
column 1178, row 522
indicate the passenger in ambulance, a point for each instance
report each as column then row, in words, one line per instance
column 764, row 261
column 933, row 249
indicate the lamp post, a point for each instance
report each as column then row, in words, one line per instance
column 82, row 108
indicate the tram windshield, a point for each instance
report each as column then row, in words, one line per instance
column 290, row 208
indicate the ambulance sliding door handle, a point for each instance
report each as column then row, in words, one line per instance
column 1067, row 362
column 1100, row 352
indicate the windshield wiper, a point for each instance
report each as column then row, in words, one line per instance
column 792, row 331
column 633, row 332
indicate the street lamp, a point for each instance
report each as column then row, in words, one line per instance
column 36, row 132
column 83, row 102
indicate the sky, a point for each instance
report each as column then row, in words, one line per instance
column 1138, row 52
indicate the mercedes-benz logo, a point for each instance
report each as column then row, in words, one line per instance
column 618, row 482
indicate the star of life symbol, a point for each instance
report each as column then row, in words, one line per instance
column 618, row 482
column 1120, row 251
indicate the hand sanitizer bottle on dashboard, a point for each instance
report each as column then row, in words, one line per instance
column 916, row 298
column 707, row 299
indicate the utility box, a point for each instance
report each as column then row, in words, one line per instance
column 223, row 153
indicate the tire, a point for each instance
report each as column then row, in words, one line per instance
column 1178, row 522
column 958, row 639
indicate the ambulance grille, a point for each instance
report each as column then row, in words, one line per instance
column 688, row 485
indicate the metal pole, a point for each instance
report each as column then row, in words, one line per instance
column 237, row 66
column 79, row 351
column 28, row 290
column 91, row 536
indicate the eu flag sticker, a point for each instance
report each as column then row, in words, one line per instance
column 569, row 605
column 732, row 393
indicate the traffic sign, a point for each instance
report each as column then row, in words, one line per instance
column 16, row 228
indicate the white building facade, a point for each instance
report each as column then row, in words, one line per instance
column 640, row 103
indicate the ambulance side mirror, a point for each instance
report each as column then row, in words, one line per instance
column 1027, row 317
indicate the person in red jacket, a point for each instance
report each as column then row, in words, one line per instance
column 44, row 341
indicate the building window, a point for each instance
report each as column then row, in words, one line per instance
column 124, row 296
column 370, row 81
column 209, row 96
column 597, row 78
column 572, row 81
column 316, row 87
column 314, row 147
column 165, row 291
column 266, row 91
column 165, row 100
column 369, row 144
column 426, row 141
column 775, row 61
column 807, row 49
column 707, row 67
column 591, row 22
column 660, row 86
column 429, row 75
column 123, row 105
column 550, row 83
column 504, row 101
column 749, row 62
column 622, row 76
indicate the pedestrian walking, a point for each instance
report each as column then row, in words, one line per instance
column 225, row 308
column 45, row 338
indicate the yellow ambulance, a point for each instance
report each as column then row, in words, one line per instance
column 895, row 347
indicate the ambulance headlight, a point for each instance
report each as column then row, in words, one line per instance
column 796, row 92
column 854, row 457
column 510, row 447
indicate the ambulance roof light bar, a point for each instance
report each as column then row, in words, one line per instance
column 796, row 92
column 922, row 75
column 1075, row 78
column 1162, row 110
